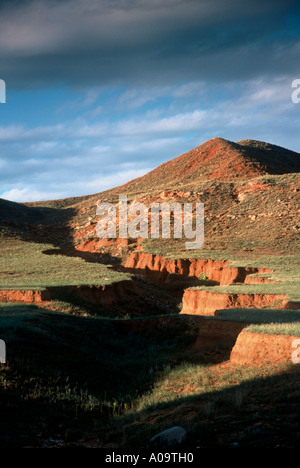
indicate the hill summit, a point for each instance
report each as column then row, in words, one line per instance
column 219, row 160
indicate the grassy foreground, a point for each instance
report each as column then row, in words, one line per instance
column 89, row 381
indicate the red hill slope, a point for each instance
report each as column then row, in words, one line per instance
column 250, row 190
column 219, row 160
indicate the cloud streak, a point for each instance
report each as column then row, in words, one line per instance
column 94, row 43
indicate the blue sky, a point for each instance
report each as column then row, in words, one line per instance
column 101, row 92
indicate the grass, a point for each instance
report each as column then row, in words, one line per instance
column 24, row 265
column 96, row 343
column 189, row 379
column 61, row 366
column 292, row 329
column 82, row 377
column 225, row 407
column 271, row 321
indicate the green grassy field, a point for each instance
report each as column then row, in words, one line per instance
column 24, row 265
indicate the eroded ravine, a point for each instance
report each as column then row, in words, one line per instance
column 173, row 277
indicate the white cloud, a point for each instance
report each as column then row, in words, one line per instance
column 28, row 194
column 79, row 187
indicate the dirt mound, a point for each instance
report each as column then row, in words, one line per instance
column 250, row 192
column 105, row 295
column 214, row 334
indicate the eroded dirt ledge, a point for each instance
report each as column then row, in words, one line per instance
column 218, row 271
column 239, row 345
column 258, row 348
column 105, row 295
column 26, row 296
column 201, row 302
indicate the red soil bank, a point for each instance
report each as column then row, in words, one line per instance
column 93, row 245
column 216, row 270
column 217, row 332
column 106, row 294
column 199, row 302
column 25, row 296
column 257, row 348
column 103, row 294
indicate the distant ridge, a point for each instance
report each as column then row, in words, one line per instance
column 18, row 213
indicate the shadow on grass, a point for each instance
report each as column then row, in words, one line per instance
column 60, row 366
column 260, row 315
column 83, row 373
column 260, row 412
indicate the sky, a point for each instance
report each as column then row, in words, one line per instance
column 99, row 92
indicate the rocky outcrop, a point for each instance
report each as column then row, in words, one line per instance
column 170, row 437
